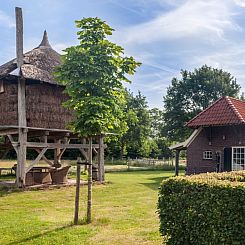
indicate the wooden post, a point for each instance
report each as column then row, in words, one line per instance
column 89, row 205
column 177, row 162
column 85, row 153
column 101, row 164
column 57, row 162
column 77, row 191
column 19, row 36
column 20, row 180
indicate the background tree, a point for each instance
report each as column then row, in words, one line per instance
column 135, row 140
column 157, row 121
column 161, row 143
column 192, row 93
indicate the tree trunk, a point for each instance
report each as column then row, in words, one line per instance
column 77, row 194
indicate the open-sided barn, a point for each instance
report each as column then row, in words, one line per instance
column 33, row 116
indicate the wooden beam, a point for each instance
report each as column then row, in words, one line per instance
column 20, row 180
column 39, row 157
column 101, row 163
column 57, row 145
column 21, row 159
column 19, row 36
column 67, row 141
column 84, row 153
column 8, row 132
column 44, row 157
column 22, row 104
column 177, row 153
column 56, row 153
column 12, row 141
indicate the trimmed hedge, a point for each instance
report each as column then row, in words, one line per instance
column 203, row 209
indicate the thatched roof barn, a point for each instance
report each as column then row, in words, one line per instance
column 32, row 116
column 44, row 97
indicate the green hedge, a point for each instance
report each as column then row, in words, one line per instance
column 203, row 209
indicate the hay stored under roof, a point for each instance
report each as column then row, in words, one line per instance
column 44, row 97
column 38, row 64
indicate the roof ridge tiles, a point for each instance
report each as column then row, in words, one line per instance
column 234, row 107
column 224, row 111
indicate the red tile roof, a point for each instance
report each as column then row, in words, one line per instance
column 225, row 111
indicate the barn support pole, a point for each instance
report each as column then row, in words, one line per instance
column 177, row 153
column 101, row 163
column 20, row 180
column 66, row 141
column 57, row 162
column 21, row 161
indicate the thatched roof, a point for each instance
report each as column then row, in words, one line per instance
column 38, row 64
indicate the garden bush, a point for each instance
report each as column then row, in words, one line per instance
column 203, row 209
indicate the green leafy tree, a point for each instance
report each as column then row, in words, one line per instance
column 192, row 93
column 157, row 121
column 134, row 141
column 161, row 144
column 92, row 73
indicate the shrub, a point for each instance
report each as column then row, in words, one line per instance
column 203, row 209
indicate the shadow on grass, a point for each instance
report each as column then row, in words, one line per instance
column 155, row 184
column 8, row 189
column 28, row 239
column 7, row 177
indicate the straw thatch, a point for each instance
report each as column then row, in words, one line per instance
column 44, row 97
column 9, row 105
column 38, row 64
column 44, row 107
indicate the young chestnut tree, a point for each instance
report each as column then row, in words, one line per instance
column 93, row 72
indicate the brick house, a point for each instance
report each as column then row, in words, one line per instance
column 218, row 140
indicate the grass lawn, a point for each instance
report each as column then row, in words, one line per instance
column 123, row 213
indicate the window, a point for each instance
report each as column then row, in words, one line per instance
column 1, row 87
column 207, row 155
column 238, row 158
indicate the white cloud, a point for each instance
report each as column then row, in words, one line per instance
column 202, row 19
column 230, row 59
column 240, row 3
column 6, row 20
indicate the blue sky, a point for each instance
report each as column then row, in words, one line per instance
column 165, row 35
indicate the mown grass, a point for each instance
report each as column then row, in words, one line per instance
column 124, row 212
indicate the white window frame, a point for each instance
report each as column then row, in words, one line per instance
column 238, row 158
column 207, row 155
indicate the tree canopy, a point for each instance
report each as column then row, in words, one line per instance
column 135, row 140
column 93, row 72
column 192, row 93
